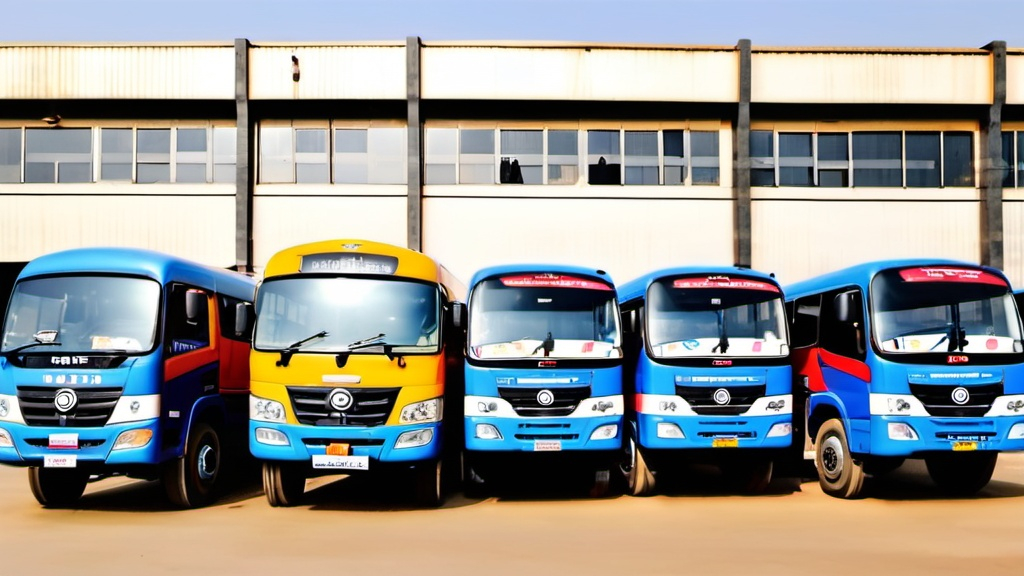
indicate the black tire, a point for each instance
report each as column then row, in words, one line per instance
column 284, row 484
column 191, row 481
column 57, row 487
column 638, row 477
column 749, row 476
column 838, row 473
column 473, row 484
column 428, row 484
column 962, row 474
column 601, row 484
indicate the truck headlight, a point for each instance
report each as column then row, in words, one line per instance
column 133, row 439
column 780, row 429
column 271, row 436
column 265, row 410
column 669, row 430
column 901, row 431
column 414, row 438
column 5, row 439
column 605, row 432
column 426, row 411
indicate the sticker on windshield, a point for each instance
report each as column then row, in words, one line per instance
column 950, row 274
column 720, row 281
column 552, row 281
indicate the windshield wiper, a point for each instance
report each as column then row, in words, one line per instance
column 547, row 345
column 42, row 338
column 956, row 335
column 342, row 357
column 723, row 334
column 287, row 353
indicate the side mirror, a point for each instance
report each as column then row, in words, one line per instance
column 241, row 318
column 458, row 312
column 195, row 305
column 846, row 307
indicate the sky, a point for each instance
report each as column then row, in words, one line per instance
column 863, row 23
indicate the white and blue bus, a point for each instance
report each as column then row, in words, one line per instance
column 908, row 359
column 707, row 375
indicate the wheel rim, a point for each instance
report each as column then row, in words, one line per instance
column 206, row 463
column 832, row 458
column 629, row 468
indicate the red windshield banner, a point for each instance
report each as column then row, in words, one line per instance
column 947, row 274
column 552, row 281
column 724, row 282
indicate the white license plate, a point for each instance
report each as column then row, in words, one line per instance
column 63, row 441
column 327, row 462
column 547, row 445
column 69, row 461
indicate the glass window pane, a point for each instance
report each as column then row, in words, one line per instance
column 276, row 157
column 74, row 172
column 704, row 152
column 192, row 173
column 672, row 140
column 10, row 155
column 476, row 174
column 1007, row 166
column 152, row 173
column 1020, row 158
column 312, row 173
column 958, row 158
column 439, row 174
column 56, row 148
column 796, row 160
column 833, row 147
column 113, row 171
column 311, row 141
column 923, row 160
column 704, row 144
column 387, row 156
column 604, row 142
column 441, row 141
column 224, row 173
column 41, row 172
column 647, row 175
column 563, row 143
column 877, row 159
column 563, row 157
column 225, row 140
column 155, row 142
column 761, row 143
column 349, row 140
column 476, row 142
column 522, row 142
column 116, row 154
column 641, row 157
column 762, row 177
column 191, row 140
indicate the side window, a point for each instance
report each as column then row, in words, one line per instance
column 842, row 323
column 188, row 319
column 237, row 318
column 803, row 315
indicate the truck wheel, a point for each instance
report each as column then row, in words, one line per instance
column 473, row 484
column 601, row 485
column 56, row 487
column 962, row 474
column 749, row 476
column 284, row 484
column 428, row 484
column 838, row 474
column 639, row 478
column 191, row 481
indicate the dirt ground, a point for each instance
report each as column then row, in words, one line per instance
column 364, row 526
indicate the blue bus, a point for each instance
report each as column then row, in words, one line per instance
column 908, row 359
column 118, row 361
column 708, row 377
column 543, row 373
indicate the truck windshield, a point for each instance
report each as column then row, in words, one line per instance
column 90, row 314
column 535, row 316
column 347, row 315
column 689, row 317
column 920, row 310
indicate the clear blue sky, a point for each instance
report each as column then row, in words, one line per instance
column 899, row 23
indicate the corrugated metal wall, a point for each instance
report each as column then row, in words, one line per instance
column 116, row 72
column 327, row 72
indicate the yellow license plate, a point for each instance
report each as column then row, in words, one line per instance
column 725, row 442
column 337, row 449
column 964, row 446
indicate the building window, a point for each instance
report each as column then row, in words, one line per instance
column 116, row 160
column 796, row 160
column 563, row 157
column 673, row 143
column 833, row 159
column 441, row 152
column 369, row 156
column 476, row 156
column 877, row 159
column 762, row 158
column 704, row 146
column 225, row 141
column 10, row 155
column 522, row 157
column 311, row 163
column 604, row 165
column 154, row 155
column 1008, row 156
column 62, row 155
column 641, row 157
column 191, row 155
column 958, row 159
column 924, row 156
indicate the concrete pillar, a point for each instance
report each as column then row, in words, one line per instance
column 992, row 165
column 741, row 161
column 244, row 160
column 415, row 137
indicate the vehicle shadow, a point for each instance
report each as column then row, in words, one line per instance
column 911, row 482
column 703, row 481
column 366, row 493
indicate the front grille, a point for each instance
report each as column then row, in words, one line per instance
column 524, row 400
column 702, row 399
column 45, row 443
column 349, row 441
column 727, row 434
column 938, row 399
column 547, row 436
column 370, row 406
column 92, row 410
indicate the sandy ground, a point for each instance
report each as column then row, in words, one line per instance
column 359, row 526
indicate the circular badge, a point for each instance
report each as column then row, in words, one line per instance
column 340, row 399
column 65, row 400
column 721, row 397
column 960, row 395
column 545, row 397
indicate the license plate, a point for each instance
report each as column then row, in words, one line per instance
column 337, row 449
column 964, row 446
column 731, row 442
column 330, row 462
column 63, row 441
column 70, row 461
column 547, row 445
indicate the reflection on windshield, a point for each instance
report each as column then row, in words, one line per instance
column 342, row 311
column 686, row 319
column 947, row 316
column 90, row 313
column 536, row 321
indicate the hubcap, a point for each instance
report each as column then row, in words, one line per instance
column 832, row 457
column 207, row 462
